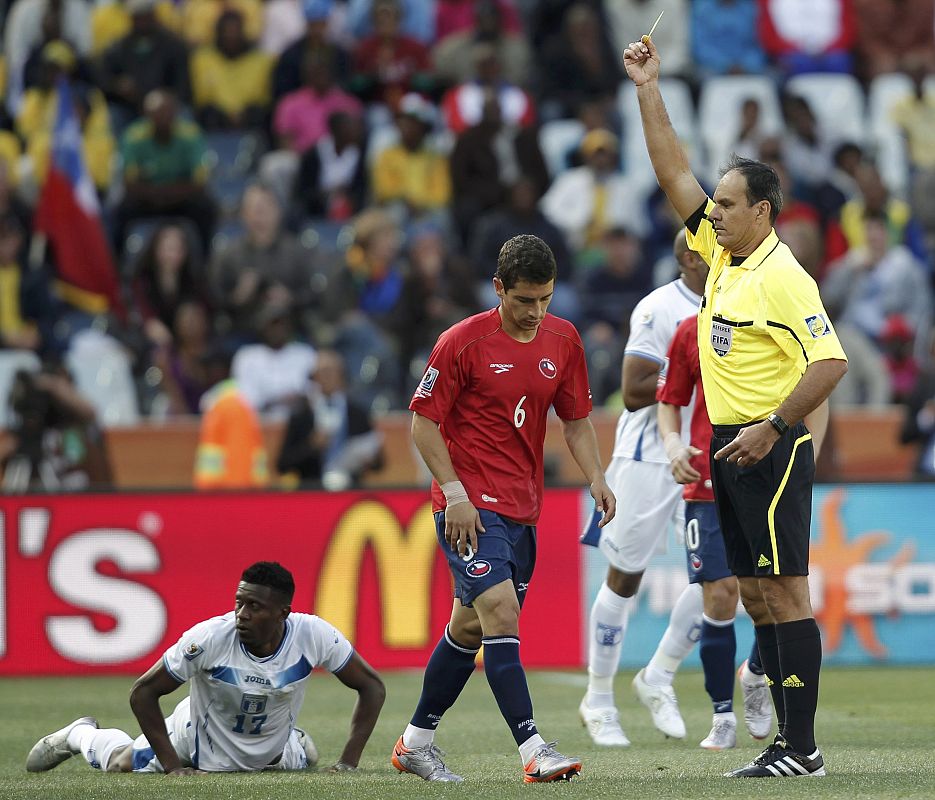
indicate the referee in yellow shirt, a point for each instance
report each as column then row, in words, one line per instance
column 769, row 356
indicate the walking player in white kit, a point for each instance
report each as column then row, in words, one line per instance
column 649, row 500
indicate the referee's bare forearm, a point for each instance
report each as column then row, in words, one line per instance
column 812, row 390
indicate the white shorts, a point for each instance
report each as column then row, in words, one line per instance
column 179, row 726
column 648, row 502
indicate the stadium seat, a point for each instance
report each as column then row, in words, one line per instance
column 227, row 231
column 101, row 369
column 11, row 362
column 232, row 157
column 317, row 233
column 557, row 139
column 887, row 140
column 719, row 106
column 140, row 231
column 678, row 101
column 837, row 102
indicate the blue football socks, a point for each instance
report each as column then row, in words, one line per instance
column 507, row 680
column 718, row 649
column 446, row 674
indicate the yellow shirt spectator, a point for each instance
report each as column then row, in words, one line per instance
column 419, row 178
column 199, row 18
column 231, row 84
column 915, row 117
column 898, row 214
column 10, row 152
column 111, row 21
column 36, row 122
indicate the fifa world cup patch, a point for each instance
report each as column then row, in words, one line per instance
column 192, row 651
column 817, row 326
column 427, row 382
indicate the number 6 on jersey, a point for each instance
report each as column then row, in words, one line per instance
column 519, row 413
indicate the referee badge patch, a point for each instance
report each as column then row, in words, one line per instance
column 817, row 326
column 721, row 337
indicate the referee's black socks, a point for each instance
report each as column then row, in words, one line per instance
column 799, row 646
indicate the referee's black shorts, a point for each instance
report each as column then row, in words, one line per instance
column 766, row 510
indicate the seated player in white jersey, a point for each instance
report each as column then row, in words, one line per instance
column 248, row 670
column 650, row 501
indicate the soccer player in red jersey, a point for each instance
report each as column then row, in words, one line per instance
column 479, row 422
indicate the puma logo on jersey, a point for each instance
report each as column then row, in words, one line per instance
column 499, row 369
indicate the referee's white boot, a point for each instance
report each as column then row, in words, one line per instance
column 603, row 725
column 661, row 702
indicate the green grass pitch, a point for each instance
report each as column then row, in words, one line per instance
column 876, row 728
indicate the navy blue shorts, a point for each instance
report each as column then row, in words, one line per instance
column 507, row 551
column 704, row 544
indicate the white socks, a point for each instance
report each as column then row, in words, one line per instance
column 680, row 637
column 97, row 745
column 608, row 625
column 528, row 748
column 418, row 737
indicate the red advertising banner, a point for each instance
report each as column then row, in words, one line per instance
column 104, row 584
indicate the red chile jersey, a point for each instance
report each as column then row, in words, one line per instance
column 683, row 377
column 490, row 396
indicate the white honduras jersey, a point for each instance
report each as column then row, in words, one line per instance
column 652, row 326
column 244, row 707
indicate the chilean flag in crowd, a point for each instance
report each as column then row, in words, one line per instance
column 69, row 215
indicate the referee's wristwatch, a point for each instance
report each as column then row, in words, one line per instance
column 778, row 423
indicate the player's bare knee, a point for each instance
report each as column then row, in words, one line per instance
column 466, row 632
column 499, row 617
column 720, row 599
column 753, row 601
column 624, row 584
column 786, row 597
column 121, row 760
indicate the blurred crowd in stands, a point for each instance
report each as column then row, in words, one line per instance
column 298, row 188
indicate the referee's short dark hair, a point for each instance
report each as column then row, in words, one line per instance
column 525, row 258
column 762, row 182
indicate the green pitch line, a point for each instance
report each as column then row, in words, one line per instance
column 876, row 728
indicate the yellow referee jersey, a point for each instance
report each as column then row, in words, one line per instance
column 761, row 324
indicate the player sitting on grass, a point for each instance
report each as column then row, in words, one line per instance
column 248, row 670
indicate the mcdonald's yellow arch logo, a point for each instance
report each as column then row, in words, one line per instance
column 404, row 561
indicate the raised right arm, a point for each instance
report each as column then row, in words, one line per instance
column 641, row 60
